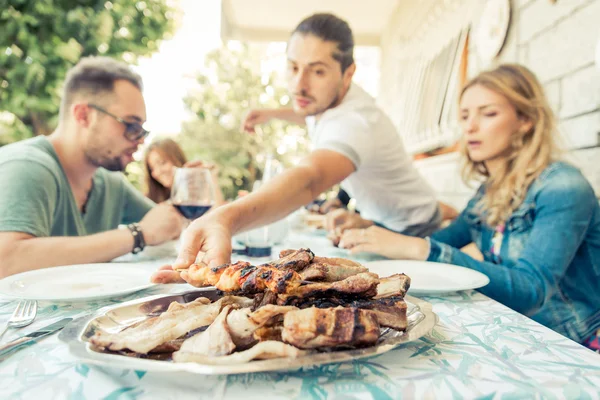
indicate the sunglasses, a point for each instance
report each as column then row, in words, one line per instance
column 133, row 130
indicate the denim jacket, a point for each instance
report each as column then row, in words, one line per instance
column 548, row 267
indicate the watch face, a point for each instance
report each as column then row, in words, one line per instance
column 490, row 31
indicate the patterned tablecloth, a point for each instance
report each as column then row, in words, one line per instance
column 480, row 349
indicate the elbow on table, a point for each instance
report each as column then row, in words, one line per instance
column 11, row 259
column 529, row 302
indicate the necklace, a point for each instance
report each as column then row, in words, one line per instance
column 497, row 241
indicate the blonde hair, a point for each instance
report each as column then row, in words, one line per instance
column 531, row 151
column 169, row 150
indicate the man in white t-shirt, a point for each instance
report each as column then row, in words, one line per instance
column 355, row 144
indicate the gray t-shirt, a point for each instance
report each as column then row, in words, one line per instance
column 387, row 187
column 36, row 198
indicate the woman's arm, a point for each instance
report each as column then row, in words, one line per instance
column 564, row 209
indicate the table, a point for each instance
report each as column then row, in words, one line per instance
column 480, row 349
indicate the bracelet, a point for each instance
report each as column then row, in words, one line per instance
column 138, row 238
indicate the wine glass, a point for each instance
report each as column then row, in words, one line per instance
column 193, row 191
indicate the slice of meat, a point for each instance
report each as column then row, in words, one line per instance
column 263, row 315
column 313, row 328
column 242, row 277
column 262, row 350
column 363, row 285
column 323, row 271
column 393, row 286
column 271, row 278
column 213, row 342
column 268, row 333
column 178, row 320
column 344, row 262
column 390, row 312
column 243, row 323
column 241, row 327
column 296, row 260
column 264, row 298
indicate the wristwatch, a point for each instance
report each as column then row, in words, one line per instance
column 138, row 237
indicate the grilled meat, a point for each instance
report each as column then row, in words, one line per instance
column 261, row 351
column 390, row 312
column 243, row 277
column 330, row 272
column 215, row 341
column 313, row 328
column 296, row 260
column 264, row 298
column 393, row 286
column 363, row 285
column 342, row 262
column 175, row 322
column 269, row 333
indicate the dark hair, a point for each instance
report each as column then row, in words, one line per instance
column 330, row 28
column 95, row 76
column 170, row 150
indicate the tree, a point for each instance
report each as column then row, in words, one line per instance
column 40, row 40
column 231, row 85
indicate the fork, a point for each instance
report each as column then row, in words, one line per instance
column 23, row 315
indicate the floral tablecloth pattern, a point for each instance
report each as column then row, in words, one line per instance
column 480, row 349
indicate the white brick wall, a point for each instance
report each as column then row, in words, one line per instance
column 542, row 14
column 580, row 92
column 557, row 42
column 567, row 46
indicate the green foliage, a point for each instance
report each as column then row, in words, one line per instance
column 40, row 40
column 224, row 93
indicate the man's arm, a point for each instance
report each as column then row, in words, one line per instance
column 292, row 189
column 22, row 252
column 277, row 198
column 261, row 116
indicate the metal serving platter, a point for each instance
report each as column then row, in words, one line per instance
column 421, row 320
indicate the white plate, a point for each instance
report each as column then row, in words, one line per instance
column 77, row 282
column 430, row 277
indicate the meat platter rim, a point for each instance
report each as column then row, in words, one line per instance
column 421, row 320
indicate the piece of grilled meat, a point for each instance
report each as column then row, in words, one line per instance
column 242, row 277
column 393, row 286
column 390, row 311
column 322, row 271
column 360, row 285
column 296, row 260
column 314, row 328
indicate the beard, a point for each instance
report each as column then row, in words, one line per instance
column 318, row 109
column 104, row 156
column 110, row 163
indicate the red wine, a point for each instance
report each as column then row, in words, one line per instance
column 191, row 212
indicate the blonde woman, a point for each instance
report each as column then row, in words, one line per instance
column 535, row 220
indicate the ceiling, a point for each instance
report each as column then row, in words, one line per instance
column 273, row 20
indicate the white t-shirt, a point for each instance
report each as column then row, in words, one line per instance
column 387, row 187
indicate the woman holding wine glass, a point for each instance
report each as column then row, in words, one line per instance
column 163, row 158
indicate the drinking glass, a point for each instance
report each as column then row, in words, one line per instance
column 193, row 192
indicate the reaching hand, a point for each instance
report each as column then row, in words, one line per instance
column 207, row 239
column 255, row 117
column 330, row 205
column 337, row 221
column 384, row 242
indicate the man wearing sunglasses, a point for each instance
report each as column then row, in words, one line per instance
column 63, row 197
